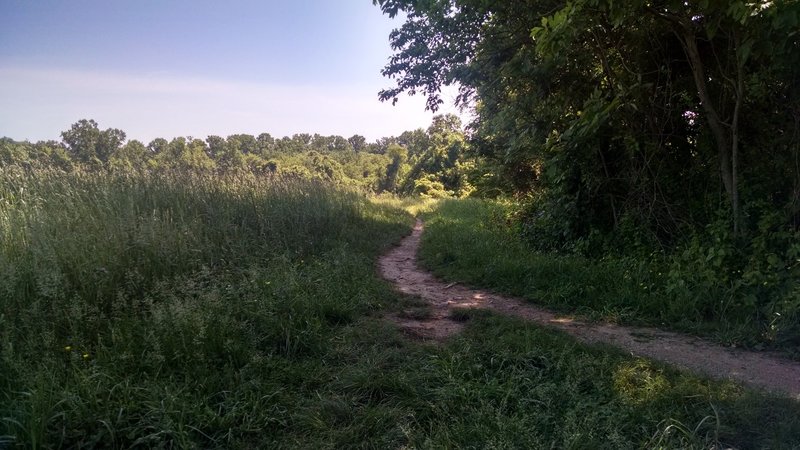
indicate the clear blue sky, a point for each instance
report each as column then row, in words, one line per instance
column 158, row 68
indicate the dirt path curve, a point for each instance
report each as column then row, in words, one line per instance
column 755, row 369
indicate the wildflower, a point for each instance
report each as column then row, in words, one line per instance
column 68, row 348
column 85, row 356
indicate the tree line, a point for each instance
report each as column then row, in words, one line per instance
column 429, row 161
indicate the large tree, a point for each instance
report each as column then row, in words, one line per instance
column 618, row 110
column 90, row 145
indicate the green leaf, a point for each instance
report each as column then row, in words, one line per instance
column 773, row 260
column 744, row 50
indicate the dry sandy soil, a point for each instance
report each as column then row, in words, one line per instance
column 756, row 369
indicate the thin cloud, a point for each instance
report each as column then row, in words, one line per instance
column 167, row 105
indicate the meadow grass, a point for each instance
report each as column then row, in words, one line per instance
column 199, row 312
column 141, row 309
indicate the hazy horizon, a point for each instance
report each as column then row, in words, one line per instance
column 200, row 68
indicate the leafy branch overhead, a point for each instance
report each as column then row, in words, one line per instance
column 619, row 108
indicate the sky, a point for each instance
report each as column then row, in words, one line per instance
column 167, row 68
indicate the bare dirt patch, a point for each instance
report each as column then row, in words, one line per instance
column 756, row 369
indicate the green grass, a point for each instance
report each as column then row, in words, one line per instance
column 196, row 312
column 140, row 309
column 469, row 241
column 508, row 384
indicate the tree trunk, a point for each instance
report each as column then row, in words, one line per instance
column 727, row 145
column 739, row 89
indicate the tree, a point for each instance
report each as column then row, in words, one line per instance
column 302, row 140
column 340, row 144
column 12, row 152
column 325, row 167
column 416, row 141
column 244, row 143
column 186, row 154
column 398, row 156
column 230, row 156
column 437, row 164
column 132, row 156
column 157, row 146
column 266, row 143
column 89, row 145
column 357, row 142
column 217, row 146
column 598, row 104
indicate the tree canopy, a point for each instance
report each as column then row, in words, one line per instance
column 642, row 110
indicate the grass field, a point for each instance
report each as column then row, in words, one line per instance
column 238, row 312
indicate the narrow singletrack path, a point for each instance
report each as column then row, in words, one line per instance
column 761, row 370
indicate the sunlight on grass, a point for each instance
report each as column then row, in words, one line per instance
column 159, row 293
column 639, row 382
column 415, row 206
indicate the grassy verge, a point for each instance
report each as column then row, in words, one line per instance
column 243, row 313
column 507, row 384
column 468, row 241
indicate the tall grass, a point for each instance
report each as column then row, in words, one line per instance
column 119, row 293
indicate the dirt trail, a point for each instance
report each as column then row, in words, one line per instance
column 755, row 369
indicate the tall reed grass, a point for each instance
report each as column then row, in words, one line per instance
column 184, row 280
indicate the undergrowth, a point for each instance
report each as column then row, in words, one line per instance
column 475, row 242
